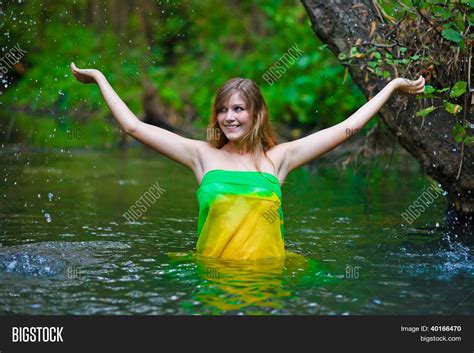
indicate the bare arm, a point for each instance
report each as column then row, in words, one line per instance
column 171, row 145
column 310, row 147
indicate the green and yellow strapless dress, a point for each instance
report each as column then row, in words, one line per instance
column 240, row 215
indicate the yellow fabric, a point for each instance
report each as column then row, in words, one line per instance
column 240, row 216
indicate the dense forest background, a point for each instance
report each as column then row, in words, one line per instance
column 179, row 52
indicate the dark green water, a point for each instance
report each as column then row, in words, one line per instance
column 67, row 249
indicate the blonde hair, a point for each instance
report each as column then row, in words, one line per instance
column 261, row 135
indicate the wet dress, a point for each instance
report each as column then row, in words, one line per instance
column 240, row 215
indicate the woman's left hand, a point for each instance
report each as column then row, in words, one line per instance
column 409, row 86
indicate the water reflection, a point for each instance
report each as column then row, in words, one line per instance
column 261, row 286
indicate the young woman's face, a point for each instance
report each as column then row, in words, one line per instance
column 233, row 118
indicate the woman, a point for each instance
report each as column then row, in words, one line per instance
column 241, row 168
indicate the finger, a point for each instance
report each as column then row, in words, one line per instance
column 421, row 83
column 416, row 82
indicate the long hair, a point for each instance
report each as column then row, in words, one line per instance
column 261, row 136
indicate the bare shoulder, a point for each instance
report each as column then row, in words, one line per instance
column 209, row 157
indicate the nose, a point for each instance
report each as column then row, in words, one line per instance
column 230, row 116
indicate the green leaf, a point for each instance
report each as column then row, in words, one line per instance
column 441, row 12
column 415, row 57
column 424, row 112
column 458, row 89
column 322, row 47
column 452, row 35
column 403, row 49
column 459, row 132
column 342, row 56
column 377, row 55
column 429, row 89
column 469, row 140
column 470, row 18
column 452, row 108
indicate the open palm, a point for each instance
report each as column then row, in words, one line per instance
column 409, row 86
column 85, row 75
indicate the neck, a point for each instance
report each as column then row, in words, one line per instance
column 235, row 147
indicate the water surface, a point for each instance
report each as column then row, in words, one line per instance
column 67, row 249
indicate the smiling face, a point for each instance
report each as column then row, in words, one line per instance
column 234, row 118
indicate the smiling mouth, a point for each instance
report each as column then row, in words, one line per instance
column 231, row 127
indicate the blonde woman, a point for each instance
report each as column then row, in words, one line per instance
column 241, row 168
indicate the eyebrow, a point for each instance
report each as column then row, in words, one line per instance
column 235, row 105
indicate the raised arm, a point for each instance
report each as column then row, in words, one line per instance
column 304, row 150
column 171, row 145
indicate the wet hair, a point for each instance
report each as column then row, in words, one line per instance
column 261, row 136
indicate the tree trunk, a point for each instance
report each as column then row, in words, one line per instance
column 342, row 24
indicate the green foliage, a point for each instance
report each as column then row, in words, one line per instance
column 458, row 89
column 460, row 134
column 452, row 35
column 424, row 112
column 187, row 50
column 448, row 20
column 452, row 108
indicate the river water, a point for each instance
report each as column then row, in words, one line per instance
column 67, row 249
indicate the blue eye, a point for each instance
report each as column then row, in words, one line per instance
column 239, row 108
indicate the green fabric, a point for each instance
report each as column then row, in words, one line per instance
column 218, row 182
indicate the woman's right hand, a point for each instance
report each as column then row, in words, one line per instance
column 85, row 75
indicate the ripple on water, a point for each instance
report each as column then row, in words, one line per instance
column 54, row 258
